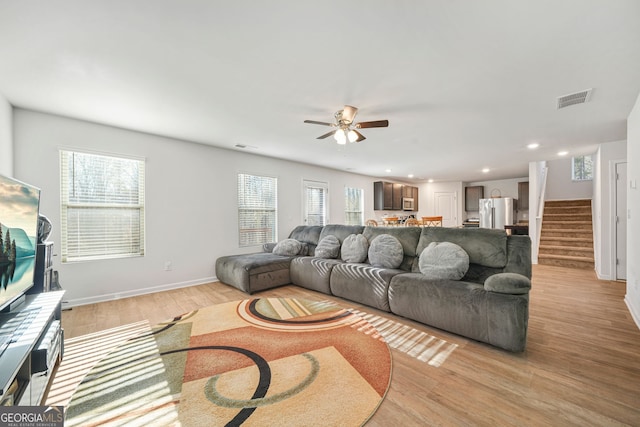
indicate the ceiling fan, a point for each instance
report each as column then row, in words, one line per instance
column 346, row 129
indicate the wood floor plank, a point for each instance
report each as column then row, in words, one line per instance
column 581, row 366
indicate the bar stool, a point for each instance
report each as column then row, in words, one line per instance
column 432, row 221
column 412, row 222
column 371, row 223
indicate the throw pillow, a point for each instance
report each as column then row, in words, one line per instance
column 268, row 247
column 444, row 260
column 355, row 248
column 386, row 252
column 328, row 247
column 287, row 247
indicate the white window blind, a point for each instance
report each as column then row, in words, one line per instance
column 315, row 202
column 353, row 210
column 257, row 209
column 102, row 206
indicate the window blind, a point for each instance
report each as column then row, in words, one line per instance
column 353, row 210
column 315, row 195
column 257, row 209
column 102, row 206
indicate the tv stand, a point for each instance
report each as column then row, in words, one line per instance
column 33, row 345
column 13, row 306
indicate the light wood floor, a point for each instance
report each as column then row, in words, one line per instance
column 581, row 366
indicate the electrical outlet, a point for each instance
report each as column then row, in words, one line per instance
column 168, row 266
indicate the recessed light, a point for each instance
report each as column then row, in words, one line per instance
column 533, row 146
column 410, row 175
column 387, row 170
column 486, row 170
column 431, row 180
column 562, row 153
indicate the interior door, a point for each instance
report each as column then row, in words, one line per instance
column 445, row 205
column 621, row 221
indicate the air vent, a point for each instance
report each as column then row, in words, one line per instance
column 574, row 98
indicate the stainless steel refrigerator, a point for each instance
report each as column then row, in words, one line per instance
column 497, row 212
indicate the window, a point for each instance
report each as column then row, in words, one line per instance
column 582, row 168
column 315, row 202
column 353, row 212
column 102, row 206
column 257, row 209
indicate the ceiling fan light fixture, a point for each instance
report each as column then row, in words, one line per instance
column 340, row 137
column 346, row 129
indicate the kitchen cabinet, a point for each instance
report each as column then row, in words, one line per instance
column 397, row 197
column 414, row 194
column 523, row 196
column 388, row 196
column 382, row 196
column 472, row 196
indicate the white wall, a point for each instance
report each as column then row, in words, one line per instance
column 537, row 187
column 633, row 205
column 559, row 183
column 604, row 214
column 6, row 137
column 191, row 201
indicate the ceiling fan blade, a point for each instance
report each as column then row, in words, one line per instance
column 360, row 136
column 327, row 134
column 349, row 113
column 313, row 122
column 373, row 124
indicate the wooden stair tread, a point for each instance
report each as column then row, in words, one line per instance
column 572, row 230
column 567, row 222
column 576, row 202
column 571, row 248
column 566, row 239
column 566, row 257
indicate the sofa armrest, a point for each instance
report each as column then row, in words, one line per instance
column 268, row 247
column 508, row 283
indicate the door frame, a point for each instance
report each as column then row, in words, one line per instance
column 613, row 224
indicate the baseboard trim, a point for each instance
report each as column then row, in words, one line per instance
column 136, row 292
column 635, row 316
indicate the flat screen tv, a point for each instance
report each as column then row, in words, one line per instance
column 19, row 205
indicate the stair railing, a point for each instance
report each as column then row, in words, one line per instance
column 540, row 214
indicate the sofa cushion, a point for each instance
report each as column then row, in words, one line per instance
column 308, row 235
column 355, row 248
column 288, row 247
column 328, row 247
column 485, row 246
column 508, row 283
column 386, row 251
column 444, row 260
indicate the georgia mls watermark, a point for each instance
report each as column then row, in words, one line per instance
column 31, row 416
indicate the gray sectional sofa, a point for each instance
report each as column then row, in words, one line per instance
column 487, row 301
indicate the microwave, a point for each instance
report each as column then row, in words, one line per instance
column 408, row 204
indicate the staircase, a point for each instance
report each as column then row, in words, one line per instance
column 566, row 238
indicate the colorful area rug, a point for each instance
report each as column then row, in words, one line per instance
column 262, row 362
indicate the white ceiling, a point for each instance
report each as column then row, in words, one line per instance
column 465, row 84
